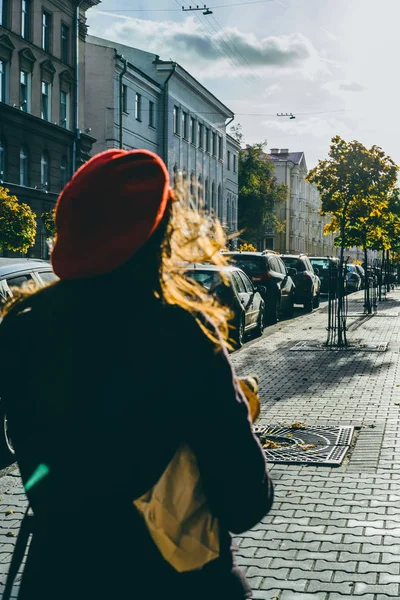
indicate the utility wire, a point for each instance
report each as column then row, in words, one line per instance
column 126, row 10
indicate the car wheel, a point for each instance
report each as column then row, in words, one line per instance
column 308, row 305
column 273, row 312
column 316, row 301
column 260, row 324
column 240, row 333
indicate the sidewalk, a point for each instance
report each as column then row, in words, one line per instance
column 333, row 533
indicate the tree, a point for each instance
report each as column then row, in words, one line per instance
column 17, row 223
column 354, row 185
column 259, row 193
column 49, row 223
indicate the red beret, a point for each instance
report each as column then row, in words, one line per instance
column 107, row 212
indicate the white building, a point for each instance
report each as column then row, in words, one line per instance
column 136, row 100
column 303, row 223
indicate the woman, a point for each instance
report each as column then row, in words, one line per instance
column 123, row 362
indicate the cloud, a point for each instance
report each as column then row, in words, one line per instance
column 338, row 87
column 189, row 43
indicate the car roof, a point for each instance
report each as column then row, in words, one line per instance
column 205, row 267
column 10, row 266
column 294, row 256
column 238, row 252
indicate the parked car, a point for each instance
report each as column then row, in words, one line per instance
column 268, row 270
column 353, row 279
column 307, row 282
column 15, row 272
column 361, row 272
column 240, row 295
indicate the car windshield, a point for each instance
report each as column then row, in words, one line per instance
column 208, row 279
column 292, row 262
column 320, row 263
column 249, row 264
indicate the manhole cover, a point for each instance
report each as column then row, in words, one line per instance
column 353, row 346
column 303, row 444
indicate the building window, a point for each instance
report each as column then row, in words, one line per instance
column 63, row 172
column 176, row 120
column 46, row 101
column 46, row 31
column 219, row 211
column 44, row 171
column 23, row 167
column 25, row 91
column 185, row 119
column 4, row 13
column 214, row 144
column 151, row 114
column 234, row 163
column 220, row 148
column 64, row 109
column 207, row 140
column 200, row 135
column 25, row 19
column 138, row 107
column 199, row 192
column 124, row 92
column 229, row 161
column 192, row 188
column 193, row 130
column 2, row 161
column 3, row 80
column 206, row 195
column 64, row 43
column 213, row 197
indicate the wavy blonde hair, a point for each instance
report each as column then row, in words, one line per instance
column 190, row 236
column 194, row 237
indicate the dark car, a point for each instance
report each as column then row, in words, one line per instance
column 308, row 285
column 238, row 293
column 16, row 272
column 267, row 269
column 361, row 272
column 353, row 279
column 328, row 272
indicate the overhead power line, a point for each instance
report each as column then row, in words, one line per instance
column 138, row 10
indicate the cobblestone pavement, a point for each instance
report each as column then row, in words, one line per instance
column 333, row 533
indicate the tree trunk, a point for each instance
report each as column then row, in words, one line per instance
column 367, row 297
column 341, row 334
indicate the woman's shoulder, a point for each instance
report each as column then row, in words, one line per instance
column 186, row 324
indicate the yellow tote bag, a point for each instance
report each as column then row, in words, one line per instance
column 177, row 515
column 176, row 511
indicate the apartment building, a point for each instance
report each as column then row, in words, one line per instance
column 42, row 75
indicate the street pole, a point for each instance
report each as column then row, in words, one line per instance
column 121, row 99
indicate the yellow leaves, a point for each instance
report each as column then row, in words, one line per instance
column 246, row 247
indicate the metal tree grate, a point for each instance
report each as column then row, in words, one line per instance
column 355, row 346
column 303, row 444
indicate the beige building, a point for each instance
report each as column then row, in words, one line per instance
column 303, row 223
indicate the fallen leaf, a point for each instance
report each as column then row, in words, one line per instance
column 10, row 512
column 11, row 534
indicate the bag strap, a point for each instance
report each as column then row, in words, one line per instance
column 19, row 551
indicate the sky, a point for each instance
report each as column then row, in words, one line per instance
column 333, row 64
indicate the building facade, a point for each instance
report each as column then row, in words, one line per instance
column 136, row 100
column 304, row 225
column 41, row 109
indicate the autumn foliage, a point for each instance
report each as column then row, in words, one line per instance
column 17, row 223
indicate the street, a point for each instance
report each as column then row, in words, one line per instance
column 333, row 531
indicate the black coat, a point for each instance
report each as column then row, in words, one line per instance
column 103, row 390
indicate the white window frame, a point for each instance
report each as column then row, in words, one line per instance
column 47, row 86
column 44, row 170
column 23, row 160
column 138, row 107
column 28, row 84
column 64, row 122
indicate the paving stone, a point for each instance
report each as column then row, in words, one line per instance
column 391, row 589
